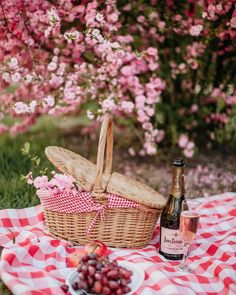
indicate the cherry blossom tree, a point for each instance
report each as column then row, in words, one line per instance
column 163, row 66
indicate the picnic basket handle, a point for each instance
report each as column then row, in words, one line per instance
column 104, row 154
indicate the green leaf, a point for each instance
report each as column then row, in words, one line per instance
column 25, row 150
column 220, row 105
column 27, row 146
column 159, row 116
column 22, row 177
column 37, row 161
column 12, row 88
column 43, row 172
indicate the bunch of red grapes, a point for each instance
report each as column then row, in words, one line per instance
column 100, row 276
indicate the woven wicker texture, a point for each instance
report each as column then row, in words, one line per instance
column 122, row 227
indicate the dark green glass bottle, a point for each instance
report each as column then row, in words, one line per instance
column 171, row 246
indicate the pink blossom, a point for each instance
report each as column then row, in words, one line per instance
column 188, row 153
column 109, row 104
column 72, row 36
column 149, row 111
column 29, row 178
column 160, row 136
column 161, row 25
column 113, row 17
column 32, row 106
column 127, row 106
column 16, row 77
column 131, row 152
column 41, row 182
column 49, row 101
column 90, row 115
column 62, row 182
column 99, row 17
column 196, row 30
column 13, row 63
column 183, row 140
column 28, row 78
column 233, row 22
column 194, row 108
column 52, row 66
column 21, row 108
column 147, row 126
column 140, row 101
column 53, row 16
column 3, row 128
column 190, row 145
column 6, row 77
column 152, row 51
column 150, row 148
column 127, row 71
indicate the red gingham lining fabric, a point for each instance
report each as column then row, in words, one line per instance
column 36, row 263
column 70, row 202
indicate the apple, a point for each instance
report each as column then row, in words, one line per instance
column 74, row 258
column 96, row 247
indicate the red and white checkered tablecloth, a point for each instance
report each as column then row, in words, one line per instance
column 33, row 263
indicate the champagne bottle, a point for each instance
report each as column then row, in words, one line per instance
column 171, row 246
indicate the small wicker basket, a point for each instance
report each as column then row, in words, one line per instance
column 122, row 227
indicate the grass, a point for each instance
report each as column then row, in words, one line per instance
column 14, row 192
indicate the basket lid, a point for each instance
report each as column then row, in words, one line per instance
column 84, row 172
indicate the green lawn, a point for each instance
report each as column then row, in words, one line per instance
column 15, row 193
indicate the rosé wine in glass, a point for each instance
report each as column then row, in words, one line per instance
column 188, row 225
column 189, row 219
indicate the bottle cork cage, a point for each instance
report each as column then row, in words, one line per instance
column 121, row 227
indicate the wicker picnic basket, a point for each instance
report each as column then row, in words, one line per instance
column 122, row 227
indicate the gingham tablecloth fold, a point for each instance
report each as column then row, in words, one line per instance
column 33, row 263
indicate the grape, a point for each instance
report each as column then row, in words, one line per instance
column 81, row 276
column 64, row 288
column 75, row 286
column 126, row 289
column 104, row 280
column 113, row 274
column 85, row 258
column 91, row 270
column 98, row 276
column 92, row 262
column 85, row 270
column 113, row 284
column 105, row 269
column 123, row 282
column 90, row 281
column 99, row 266
column 101, row 276
column 119, row 291
column 93, row 256
column 97, row 288
column 106, row 291
column 125, row 273
column 84, row 285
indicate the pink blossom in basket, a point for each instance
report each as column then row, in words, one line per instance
column 41, row 182
column 62, row 182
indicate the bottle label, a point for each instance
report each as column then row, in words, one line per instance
column 171, row 242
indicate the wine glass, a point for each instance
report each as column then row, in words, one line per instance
column 189, row 218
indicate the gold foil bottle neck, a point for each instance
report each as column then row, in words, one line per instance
column 178, row 182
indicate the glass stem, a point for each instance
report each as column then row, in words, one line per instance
column 185, row 255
